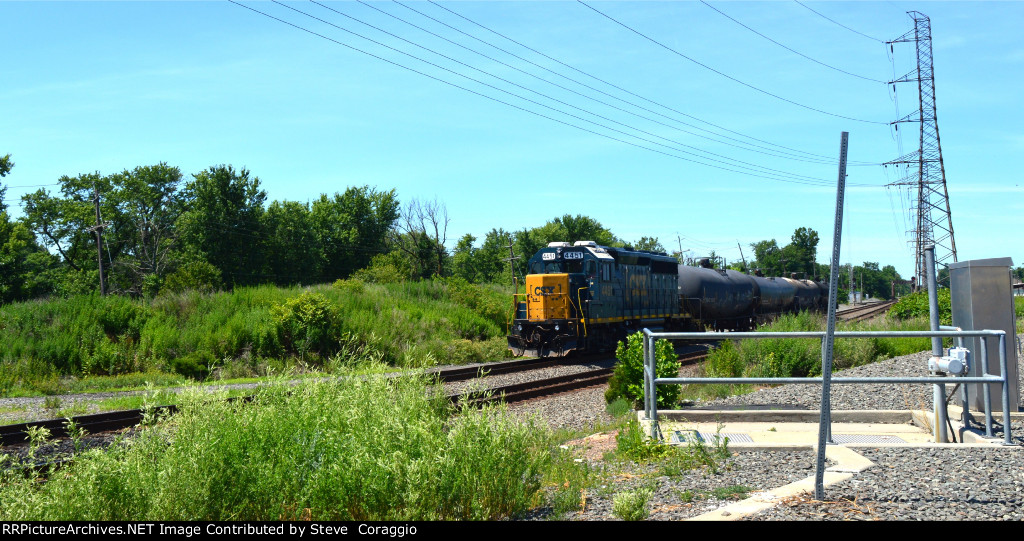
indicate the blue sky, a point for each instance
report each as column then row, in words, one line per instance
column 113, row 85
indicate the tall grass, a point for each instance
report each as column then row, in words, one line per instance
column 801, row 357
column 367, row 449
column 248, row 331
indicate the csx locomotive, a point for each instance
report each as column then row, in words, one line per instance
column 585, row 297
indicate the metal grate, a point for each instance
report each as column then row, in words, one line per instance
column 866, row 438
column 687, row 436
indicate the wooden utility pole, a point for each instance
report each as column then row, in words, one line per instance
column 511, row 264
column 98, row 228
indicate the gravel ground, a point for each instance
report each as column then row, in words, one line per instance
column 905, row 484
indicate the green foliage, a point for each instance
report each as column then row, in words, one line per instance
column 222, row 222
column 724, row 361
column 916, row 306
column 632, row 505
column 731, row 492
column 372, row 448
column 309, row 323
column 248, row 330
column 568, row 480
column 389, row 268
column 633, row 443
column 797, row 256
column 619, row 407
column 627, row 380
column 197, row 275
column 801, row 357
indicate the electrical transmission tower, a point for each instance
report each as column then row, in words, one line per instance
column 925, row 171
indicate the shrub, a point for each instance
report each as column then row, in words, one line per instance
column 193, row 275
column 724, row 361
column 632, row 505
column 915, row 305
column 627, row 380
column 386, row 268
column 309, row 323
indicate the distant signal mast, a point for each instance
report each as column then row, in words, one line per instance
column 925, row 171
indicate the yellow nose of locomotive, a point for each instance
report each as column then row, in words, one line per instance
column 547, row 296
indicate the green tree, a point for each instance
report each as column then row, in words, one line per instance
column 486, row 264
column 63, row 222
column 350, row 228
column 24, row 265
column 464, row 259
column 144, row 205
column 767, row 257
column 222, row 223
column 290, row 244
column 650, row 244
column 802, row 251
column 581, row 227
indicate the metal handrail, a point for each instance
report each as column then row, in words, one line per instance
column 651, row 382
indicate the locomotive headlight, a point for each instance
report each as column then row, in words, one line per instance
column 556, row 327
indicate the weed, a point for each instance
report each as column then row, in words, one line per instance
column 570, row 480
column 733, row 492
column 632, row 505
column 52, row 403
column 77, row 434
column 38, row 436
column 373, row 448
column 619, row 407
column 633, row 443
column 686, row 496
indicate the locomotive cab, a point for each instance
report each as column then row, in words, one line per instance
column 551, row 315
column 586, row 297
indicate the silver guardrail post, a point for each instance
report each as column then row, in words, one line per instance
column 938, row 390
column 1006, row 389
column 986, row 391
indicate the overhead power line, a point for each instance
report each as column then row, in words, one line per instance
column 727, row 76
column 791, row 50
column 839, row 23
column 743, row 145
column 830, row 159
column 764, row 173
column 728, row 160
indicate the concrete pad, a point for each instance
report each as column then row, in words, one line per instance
column 798, row 429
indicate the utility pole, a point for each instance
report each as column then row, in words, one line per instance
column 98, row 229
column 511, row 264
column 741, row 256
column 926, row 173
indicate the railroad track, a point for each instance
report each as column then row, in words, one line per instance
column 116, row 420
column 521, row 392
column 866, row 311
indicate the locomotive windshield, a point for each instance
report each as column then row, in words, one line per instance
column 556, row 267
